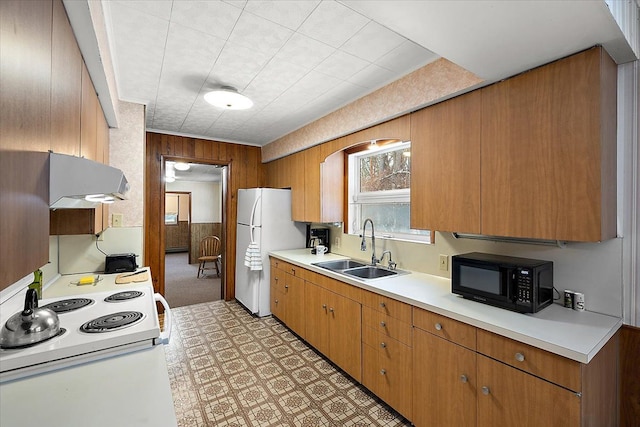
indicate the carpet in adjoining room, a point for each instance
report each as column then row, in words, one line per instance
column 181, row 285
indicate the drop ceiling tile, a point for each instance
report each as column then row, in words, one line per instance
column 372, row 42
column 211, row 17
column 160, row 9
column 259, row 34
column 373, row 77
column 333, row 23
column 407, row 57
column 276, row 77
column 341, row 65
column 284, row 12
column 304, row 51
column 188, row 46
column 139, row 45
column 314, row 84
column 236, row 66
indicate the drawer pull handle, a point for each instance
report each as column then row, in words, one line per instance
column 331, row 309
column 324, row 306
column 276, row 280
column 276, row 301
column 520, row 357
column 286, row 286
column 438, row 327
column 383, row 305
column 383, row 345
column 463, row 378
column 486, row 391
column 383, row 371
column 383, row 324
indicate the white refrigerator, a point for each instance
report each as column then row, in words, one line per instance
column 264, row 225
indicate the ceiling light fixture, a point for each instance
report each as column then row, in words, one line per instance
column 227, row 97
column 182, row 166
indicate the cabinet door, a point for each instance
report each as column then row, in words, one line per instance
column 66, row 85
column 396, row 371
column 345, row 334
column 294, row 299
column 549, row 149
column 277, row 295
column 510, row 397
column 444, row 386
column 445, row 165
column 297, row 176
column 88, row 118
column 312, row 187
column 25, row 137
column 316, row 308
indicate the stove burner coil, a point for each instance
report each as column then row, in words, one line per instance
column 67, row 305
column 123, row 296
column 112, row 322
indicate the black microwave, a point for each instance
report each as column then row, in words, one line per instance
column 518, row 284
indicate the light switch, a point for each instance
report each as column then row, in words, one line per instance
column 444, row 263
column 116, row 220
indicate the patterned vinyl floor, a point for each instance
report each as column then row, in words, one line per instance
column 228, row 368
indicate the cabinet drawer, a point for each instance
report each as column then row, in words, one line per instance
column 541, row 363
column 445, row 327
column 286, row 267
column 388, row 306
column 387, row 325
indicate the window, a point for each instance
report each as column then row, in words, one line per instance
column 379, row 188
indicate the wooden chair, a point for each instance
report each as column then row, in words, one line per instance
column 209, row 252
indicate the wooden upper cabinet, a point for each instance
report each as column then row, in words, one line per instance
column 66, row 85
column 88, row 118
column 549, row 151
column 323, row 187
column 25, row 137
column 297, row 184
column 445, row 165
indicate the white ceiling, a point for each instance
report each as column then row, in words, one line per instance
column 300, row 60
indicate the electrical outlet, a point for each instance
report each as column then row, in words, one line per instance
column 444, row 263
column 116, row 220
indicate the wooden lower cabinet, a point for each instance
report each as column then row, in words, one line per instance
column 287, row 300
column 386, row 369
column 510, row 397
column 445, row 382
column 334, row 327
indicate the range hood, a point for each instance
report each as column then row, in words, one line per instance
column 73, row 180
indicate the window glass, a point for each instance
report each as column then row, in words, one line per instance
column 379, row 188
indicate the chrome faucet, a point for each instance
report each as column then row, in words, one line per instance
column 392, row 264
column 363, row 243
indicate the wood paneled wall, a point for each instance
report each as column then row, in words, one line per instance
column 629, row 376
column 244, row 171
column 198, row 232
column 176, row 237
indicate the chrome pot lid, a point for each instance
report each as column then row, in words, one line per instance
column 30, row 326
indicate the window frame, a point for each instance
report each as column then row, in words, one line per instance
column 355, row 198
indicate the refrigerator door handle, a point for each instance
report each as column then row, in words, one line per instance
column 253, row 213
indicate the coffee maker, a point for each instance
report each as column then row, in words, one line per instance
column 317, row 236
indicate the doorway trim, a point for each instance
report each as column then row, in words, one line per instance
column 225, row 207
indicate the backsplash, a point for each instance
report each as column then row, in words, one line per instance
column 594, row 269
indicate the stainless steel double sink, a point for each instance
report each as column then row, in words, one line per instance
column 359, row 270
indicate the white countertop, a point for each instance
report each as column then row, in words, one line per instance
column 569, row 333
column 127, row 390
column 63, row 286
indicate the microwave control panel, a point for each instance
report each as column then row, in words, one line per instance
column 524, row 285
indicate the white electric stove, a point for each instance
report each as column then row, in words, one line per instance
column 93, row 326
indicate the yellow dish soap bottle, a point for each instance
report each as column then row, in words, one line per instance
column 37, row 282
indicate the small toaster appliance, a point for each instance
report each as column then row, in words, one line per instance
column 518, row 284
column 119, row 263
